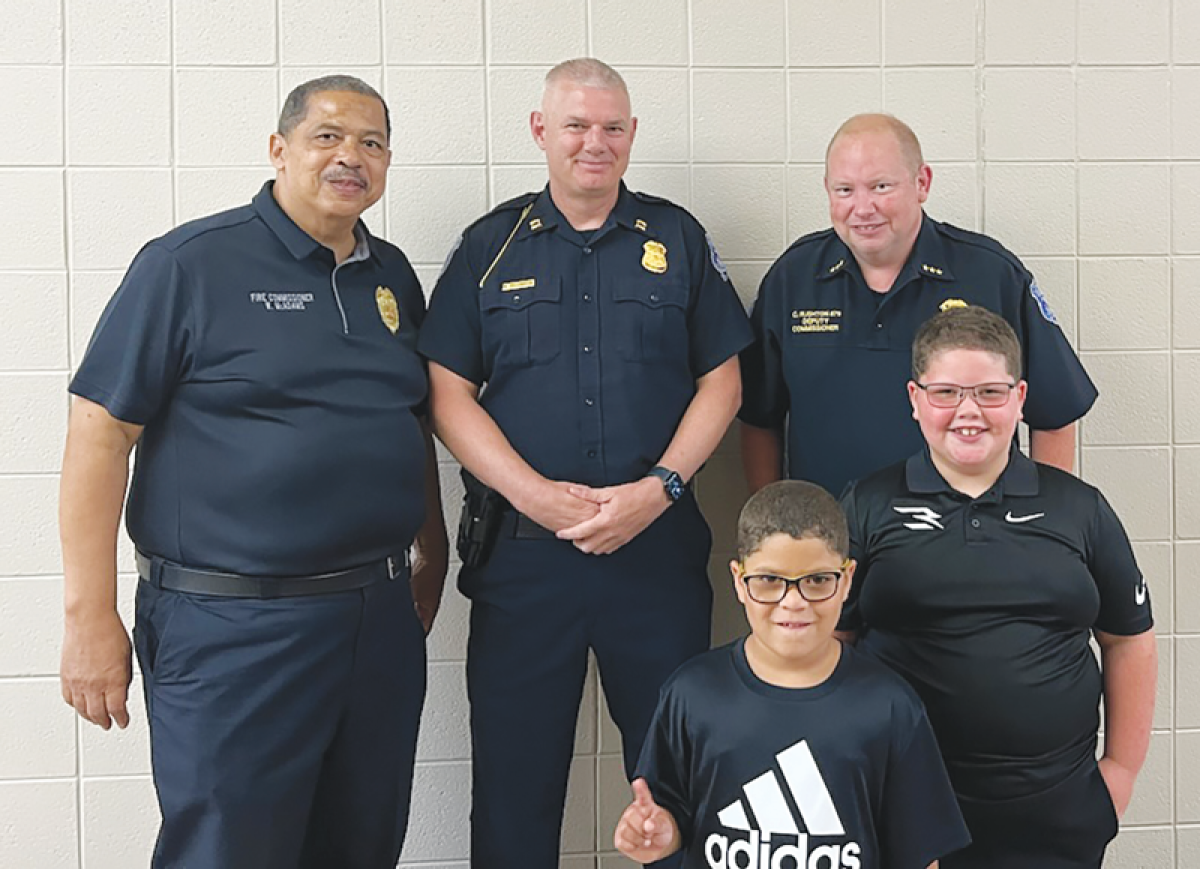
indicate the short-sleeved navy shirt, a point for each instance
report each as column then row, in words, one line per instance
column 832, row 357
column 986, row 606
column 277, row 391
column 589, row 344
column 843, row 774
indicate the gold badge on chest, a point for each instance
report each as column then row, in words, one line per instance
column 389, row 311
column 654, row 257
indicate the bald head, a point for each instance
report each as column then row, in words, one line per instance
column 585, row 72
column 874, row 124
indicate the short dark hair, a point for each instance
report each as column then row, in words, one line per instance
column 796, row 508
column 295, row 107
column 966, row 328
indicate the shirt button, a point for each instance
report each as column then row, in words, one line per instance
column 974, row 523
column 587, row 250
column 654, row 297
column 588, row 402
column 587, row 297
column 516, row 298
column 878, row 326
column 587, row 348
column 591, row 454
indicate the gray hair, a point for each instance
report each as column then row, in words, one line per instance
column 589, row 72
column 295, row 107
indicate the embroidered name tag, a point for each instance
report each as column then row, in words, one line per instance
column 816, row 320
column 510, row 286
column 282, row 301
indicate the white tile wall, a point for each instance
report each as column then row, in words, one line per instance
column 1067, row 128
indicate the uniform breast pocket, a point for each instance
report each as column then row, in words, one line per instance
column 522, row 327
column 651, row 319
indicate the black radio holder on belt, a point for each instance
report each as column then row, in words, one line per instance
column 479, row 525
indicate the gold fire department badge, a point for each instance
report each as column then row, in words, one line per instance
column 654, row 257
column 951, row 303
column 389, row 311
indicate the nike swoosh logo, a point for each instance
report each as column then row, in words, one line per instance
column 1017, row 520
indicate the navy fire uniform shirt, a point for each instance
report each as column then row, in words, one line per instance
column 844, row 775
column 590, row 343
column 826, row 340
column 277, row 389
column 986, row 606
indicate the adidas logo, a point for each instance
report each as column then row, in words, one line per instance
column 768, row 804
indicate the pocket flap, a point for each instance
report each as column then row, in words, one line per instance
column 494, row 298
column 653, row 293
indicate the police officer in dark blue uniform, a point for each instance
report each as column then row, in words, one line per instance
column 264, row 363
column 582, row 347
column 836, row 316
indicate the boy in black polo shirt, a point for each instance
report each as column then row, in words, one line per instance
column 787, row 749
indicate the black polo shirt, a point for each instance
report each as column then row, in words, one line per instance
column 832, row 357
column 589, row 344
column 277, row 391
column 986, row 607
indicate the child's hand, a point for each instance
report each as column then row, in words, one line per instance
column 646, row 831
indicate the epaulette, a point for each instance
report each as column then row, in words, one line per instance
column 651, row 199
column 819, row 235
column 514, row 204
column 979, row 240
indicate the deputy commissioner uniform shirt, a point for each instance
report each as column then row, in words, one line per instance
column 844, row 775
column 277, row 389
column 831, row 357
column 986, row 606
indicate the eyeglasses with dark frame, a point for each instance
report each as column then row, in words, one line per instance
column 813, row 587
column 952, row 395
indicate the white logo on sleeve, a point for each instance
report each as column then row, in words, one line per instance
column 924, row 518
column 1017, row 520
column 767, row 802
column 1139, row 593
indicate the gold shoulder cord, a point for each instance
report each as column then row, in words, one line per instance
column 520, row 220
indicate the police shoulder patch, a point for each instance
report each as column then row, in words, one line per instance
column 1042, row 302
column 716, row 259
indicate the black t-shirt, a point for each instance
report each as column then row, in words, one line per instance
column 986, row 606
column 846, row 774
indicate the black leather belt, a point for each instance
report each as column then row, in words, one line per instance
column 521, row 527
column 165, row 574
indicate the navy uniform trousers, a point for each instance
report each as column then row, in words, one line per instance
column 282, row 731
column 538, row 605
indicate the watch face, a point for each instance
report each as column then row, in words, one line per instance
column 674, row 487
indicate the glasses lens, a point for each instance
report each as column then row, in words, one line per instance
column 944, row 395
column 992, row 394
column 766, row 589
column 819, row 586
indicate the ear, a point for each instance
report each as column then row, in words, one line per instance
column 1022, row 391
column 277, row 148
column 537, row 126
column 913, row 389
column 924, row 182
column 632, row 129
column 848, row 579
column 735, row 569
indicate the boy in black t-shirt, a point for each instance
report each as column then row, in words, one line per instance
column 788, row 750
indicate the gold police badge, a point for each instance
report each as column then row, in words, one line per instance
column 654, row 257
column 951, row 303
column 389, row 311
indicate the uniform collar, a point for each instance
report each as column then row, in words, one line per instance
column 544, row 215
column 1019, row 477
column 927, row 259
column 298, row 242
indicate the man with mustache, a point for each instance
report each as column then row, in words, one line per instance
column 263, row 362
column 837, row 312
column 582, row 345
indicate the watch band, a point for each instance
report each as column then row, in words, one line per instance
column 672, row 483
